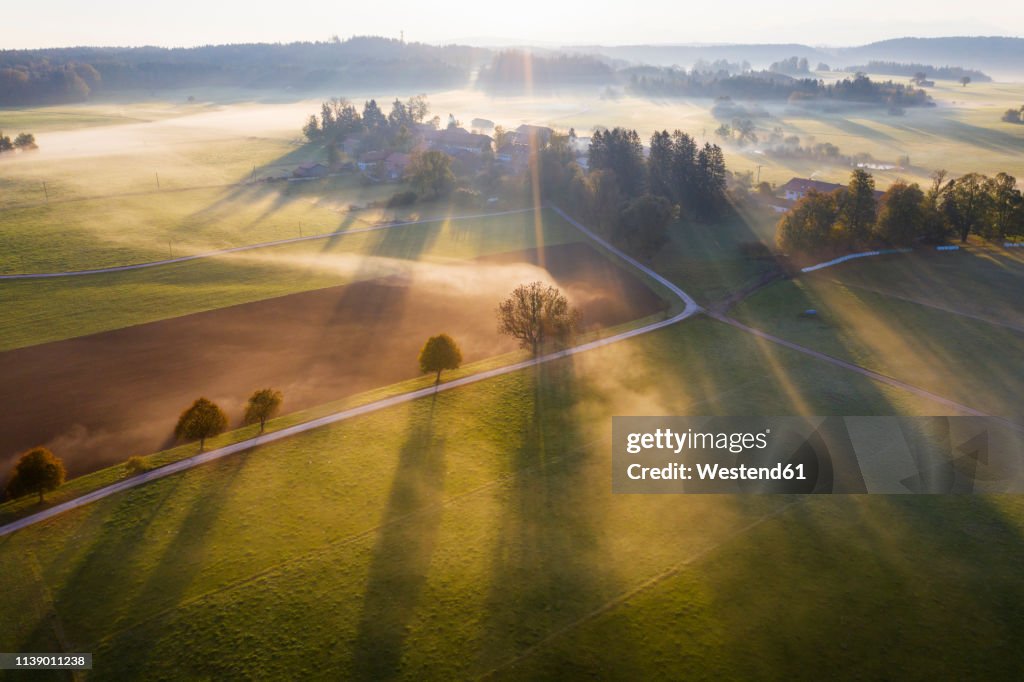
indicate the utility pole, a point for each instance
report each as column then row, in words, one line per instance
column 170, row 252
column 158, row 181
column 45, row 193
column 759, row 174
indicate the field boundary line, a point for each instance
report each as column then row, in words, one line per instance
column 690, row 308
column 248, row 247
column 933, row 306
column 655, row 580
column 864, row 371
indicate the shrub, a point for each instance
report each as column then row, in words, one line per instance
column 400, row 199
column 135, row 465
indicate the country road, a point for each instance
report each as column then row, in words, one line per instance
column 690, row 308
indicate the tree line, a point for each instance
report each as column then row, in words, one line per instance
column 537, row 315
column 767, row 85
column 925, row 71
column 54, row 76
column 950, row 208
column 339, row 118
column 23, row 142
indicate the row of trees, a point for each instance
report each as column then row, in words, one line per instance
column 24, row 142
column 766, row 85
column 339, row 119
column 851, row 217
column 535, row 314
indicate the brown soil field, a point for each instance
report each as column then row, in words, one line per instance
column 96, row 400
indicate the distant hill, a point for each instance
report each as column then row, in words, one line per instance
column 53, row 76
column 999, row 56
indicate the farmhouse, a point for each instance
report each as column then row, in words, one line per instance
column 310, row 170
column 454, row 139
column 395, row 165
column 369, row 160
column 539, row 134
column 798, row 188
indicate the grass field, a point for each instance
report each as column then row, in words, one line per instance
column 447, row 537
column 37, row 311
column 886, row 315
column 476, row 532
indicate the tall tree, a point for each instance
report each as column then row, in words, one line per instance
column 373, row 117
column 711, row 182
column 966, row 204
column 440, row 353
column 430, row 174
column 901, row 219
column 1004, row 204
column 620, row 151
column 659, row 166
column 857, row 208
column 684, row 169
column 38, row 471
column 808, row 227
column 264, row 404
column 535, row 314
column 643, row 224
column 204, row 419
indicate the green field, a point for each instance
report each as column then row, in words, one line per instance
column 447, row 537
column 970, row 360
column 475, row 532
column 37, row 311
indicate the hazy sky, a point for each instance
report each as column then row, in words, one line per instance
column 195, row 22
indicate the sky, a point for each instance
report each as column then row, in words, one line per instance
column 540, row 22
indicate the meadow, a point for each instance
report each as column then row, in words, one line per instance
column 460, row 535
column 475, row 533
column 38, row 311
column 946, row 322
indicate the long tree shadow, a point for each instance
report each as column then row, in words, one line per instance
column 403, row 551
column 90, row 590
column 879, row 587
column 549, row 567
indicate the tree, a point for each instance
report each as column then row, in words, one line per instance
column 430, row 173
column 536, row 313
column 373, row 117
column 964, row 81
column 857, row 207
column 643, row 223
column 440, row 353
column 620, row 151
column 710, row 182
column 1003, row 203
column 202, row 420
column 312, row 129
column 659, row 166
column 264, row 404
column 936, row 223
column 901, row 218
column 808, row 225
column 38, row 471
column 25, row 141
column 966, row 204
column 1012, row 116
